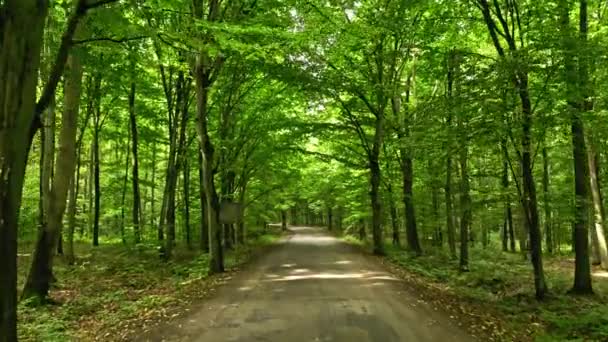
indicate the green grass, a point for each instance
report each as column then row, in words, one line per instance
column 114, row 289
column 503, row 282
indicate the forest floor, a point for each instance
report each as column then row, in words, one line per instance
column 496, row 298
column 114, row 291
column 313, row 287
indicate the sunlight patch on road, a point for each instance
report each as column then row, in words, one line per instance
column 383, row 278
column 319, row 240
column 343, row 262
column 300, row 270
column 376, row 284
column 270, row 275
column 326, row 275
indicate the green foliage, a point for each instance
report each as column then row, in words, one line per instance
column 300, row 92
column 112, row 286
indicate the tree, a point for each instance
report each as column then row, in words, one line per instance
column 499, row 27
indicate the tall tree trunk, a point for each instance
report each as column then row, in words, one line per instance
column 547, row 206
column 202, row 74
column 576, row 83
column 21, row 28
column 598, row 205
column 96, row 162
column 90, row 190
column 137, row 210
column 465, row 206
column 47, row 134
column 394, row 220
column 505, row 189
column 166, row 223
column 227, row 192
column 378, row 243
column 330, row 218
column 407, row 170
column 449, row 208
column 411, row 229
column 40, row 275
column 97, row 187
column 582, row 272
column 438, row 234
column 204, row 229
column 241, row 237
column 124, row 191
column 519, row 78
column 508, row 238
column 529, row 192
column 73, row 202
column 47, row 142
column 186, row 184
column 152, row 198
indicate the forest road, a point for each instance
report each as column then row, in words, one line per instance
column 312, row 287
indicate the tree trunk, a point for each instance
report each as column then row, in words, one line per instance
column 47, row 144
column 47, row 135
column 21, row 28
column 137, row 210
column 96, row 161
column 529, row 192
column 598, row 205
column 124, row 191
column 159, row 230
column 411, row 230
column 227, row 192
column 283, row 220
column 241, row 237
column 508, row 229
column 69, row 255
column 519, row 77
column 438, row 234
column 547, row 207
column 582, row 271
column 203, row 83
column 465, row 207
column 170, row 218
column 90, row 189
column 186, row 184
column 378, row 243
column 449, row 208
column 576, row 84
column 204, row 229
column 40, row 275
column 394, row 220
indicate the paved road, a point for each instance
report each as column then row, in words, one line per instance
column 313, row 287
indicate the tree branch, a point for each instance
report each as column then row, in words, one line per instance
column 108, row 39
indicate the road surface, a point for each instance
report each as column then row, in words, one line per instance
column 313, row 287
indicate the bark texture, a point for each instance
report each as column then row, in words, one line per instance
column 21, row 29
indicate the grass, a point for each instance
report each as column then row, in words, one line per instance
column 502, row 283
column 115, row 290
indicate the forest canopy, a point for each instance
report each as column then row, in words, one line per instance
column 435, row 127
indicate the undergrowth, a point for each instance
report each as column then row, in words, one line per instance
column 503, row 282
column 114, row 289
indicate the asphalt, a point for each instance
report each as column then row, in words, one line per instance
column 313, row 287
